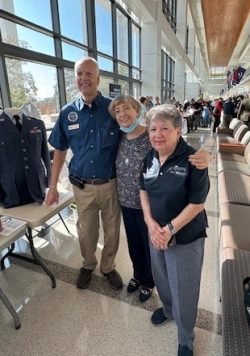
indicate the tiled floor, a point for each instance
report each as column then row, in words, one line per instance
column 100, row 321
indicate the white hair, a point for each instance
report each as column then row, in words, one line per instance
column 86, row 59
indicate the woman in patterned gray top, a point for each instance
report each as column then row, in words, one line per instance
column 133, row 148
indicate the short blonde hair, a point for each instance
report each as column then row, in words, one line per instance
column 122, row 99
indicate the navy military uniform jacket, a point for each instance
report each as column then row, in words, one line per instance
column 24, row 161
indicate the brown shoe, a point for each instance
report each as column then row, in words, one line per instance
column 84, row 278
column 114, row 279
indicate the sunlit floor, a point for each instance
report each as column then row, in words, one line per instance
column 99, row 321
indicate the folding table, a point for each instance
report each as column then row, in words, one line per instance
column 34, row 215
column 6, row 241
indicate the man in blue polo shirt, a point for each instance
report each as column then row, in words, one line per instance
column 86, row 127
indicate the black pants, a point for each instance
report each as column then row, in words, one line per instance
column 216, row 123
column 138, row 245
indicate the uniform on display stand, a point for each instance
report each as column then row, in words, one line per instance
column 24, row 159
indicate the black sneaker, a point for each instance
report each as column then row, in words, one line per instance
column 183, row 350
column 114, row 279
column 158, row 318
column 84, row 278
column 133, row 285
column 144, row 294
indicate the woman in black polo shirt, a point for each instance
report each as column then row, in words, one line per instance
column 173, row 193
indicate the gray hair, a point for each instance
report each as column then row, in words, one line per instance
column 86, row 59
column 166, row 112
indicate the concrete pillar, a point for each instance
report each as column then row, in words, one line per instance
column 151, row 59
column 192, row 90
column 179, row 80
column 179, row 63
column 191, row 45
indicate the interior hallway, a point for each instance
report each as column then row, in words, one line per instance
column 99, row 321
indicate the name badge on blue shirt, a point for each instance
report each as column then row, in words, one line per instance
column 73, row 127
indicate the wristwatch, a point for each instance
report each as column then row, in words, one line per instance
column 172, row 229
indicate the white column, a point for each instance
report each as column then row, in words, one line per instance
column 179, row 63
column 179, row 80
column 192, row 90
column 151, row 59
column 191, row 44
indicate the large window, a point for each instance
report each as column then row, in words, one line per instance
column 73, row 24
column 36, row 11
column 40, row 40
column 70, row 85
column 135, row 46
column 169, row 10
column 33, row 83
column 72, row 53
column 26, row 38
column 104, row 85
column 167, row 80
column 136, row 91
column 122, row 36
column 105, row 64
column 103, row 21
column 124, row 86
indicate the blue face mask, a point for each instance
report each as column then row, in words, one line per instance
column 131, row 127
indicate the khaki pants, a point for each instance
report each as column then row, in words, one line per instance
column 90, row 201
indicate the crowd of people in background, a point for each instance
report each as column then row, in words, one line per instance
column 204, row 113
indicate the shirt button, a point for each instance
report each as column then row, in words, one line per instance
column 25, row 158
column 24, row 149
column 91, row 130
column 93, row 176
column 26, row 167
column 91, row 146
column 22, row 141
column 161, row 173
column 91, row 115
column 91, row 161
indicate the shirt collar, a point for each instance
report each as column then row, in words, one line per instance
column 12, row 119
column 97, row 101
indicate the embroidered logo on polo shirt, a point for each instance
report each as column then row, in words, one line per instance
column 180, row 171
column 72, row 116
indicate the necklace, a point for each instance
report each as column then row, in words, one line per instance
column 163, row 160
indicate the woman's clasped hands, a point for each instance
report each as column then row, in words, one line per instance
column 160, row 236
